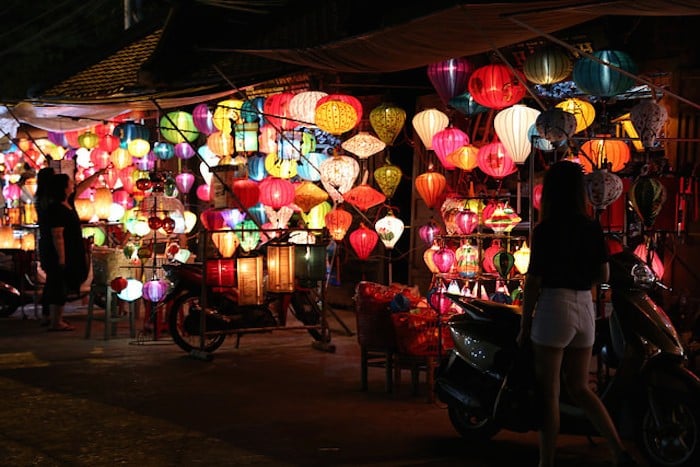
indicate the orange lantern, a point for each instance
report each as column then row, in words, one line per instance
column 308, row 194
column 226, row 242
column 431, row 185
column 85, row 208
column 602, row 151
column 465, row 158
column 220, row 143
column 280, row 267
column 364, row 197
column 120, row 158
column 249, row 275
column 428, row 258
column 363, row 241
column 338, row 222
column 103, row 202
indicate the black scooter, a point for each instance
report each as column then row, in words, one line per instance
column 642, row 375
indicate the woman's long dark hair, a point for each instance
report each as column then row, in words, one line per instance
column 43, row 182
column 57, row 188
column 563, row 191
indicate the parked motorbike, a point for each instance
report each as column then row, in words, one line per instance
column 642, row 376
column 224, row 316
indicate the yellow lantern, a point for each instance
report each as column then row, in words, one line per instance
column 190, row 220
column 427, row 123
column 249, row 275
column 227, row 111
column 336, row 117
column 522, row 258
column 428, row 258
column 281, row 168
column 220, row 143
column 120, row 158
column 28, row 241
column 30, row 215
column 316, row 217
column 387, row 121
column 280, row 267
column 57, row 153
column 85, row 209
column 308, row 194
column 388, row 178
column 582, row 110
column 138, row 147
column 465, row 158
column 178, row 127
column 88, row 140
column 103, row 202
column 226, row 242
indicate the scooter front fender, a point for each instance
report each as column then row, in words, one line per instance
column 673, row 378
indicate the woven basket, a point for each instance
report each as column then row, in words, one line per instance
column 419, row 333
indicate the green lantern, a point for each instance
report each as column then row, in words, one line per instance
column 97, row 234
column 178, row 127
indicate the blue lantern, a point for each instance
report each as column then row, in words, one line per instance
column 252, row 110
column 257, row 212
column 600, row 80
column 129, row 130
column 466, row 104
column 256, row 168
column 163, row 150
column 307, row 167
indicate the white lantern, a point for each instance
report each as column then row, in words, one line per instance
column 302, row 107
column 389, row 229
column 512, row 126
column 132, row 291
column 364, row 145
column 338, row 175
column 522, row 258
column 427, row 123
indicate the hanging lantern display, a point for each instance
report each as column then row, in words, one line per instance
column 316, row 217
column 388, row 178
column 602, row 188
column 363, row 241
column 467, row 221
column 387, row 121
column 336, row 117
column 429, row 231
column 102, row 202
column 427, row 123
column 465, row 158
column 155, row 289
column 648, row 118
column 389, row 228
column 428, row 258
column 280, row 267
column 444, row 259
column 467, row 260
column 85, row 208
column 132, row 292
column 302, row 107
column 522, row 258
column 308, row 166
column 494, row 160
column 449, row 77
column 226, row 242
column 338, row 175
column 363, row 145
column 556, row 124
column 364, row 197
column 466, row 104
column 650, row 258
column 601, row 152
column 430, row 186
column 309, row 264
column 496, row 86
column 487, row 261
column 647, row 196
column 277, row 112
column 307, row 195
column 249, row 280
column 276, row 192
column 447, row 141
column 512, row 127
column 599, row 79
column 338, row 222
column 247, row 191
column 582, row 110
column 547, row 65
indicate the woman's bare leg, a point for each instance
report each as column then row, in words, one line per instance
column 547, row 372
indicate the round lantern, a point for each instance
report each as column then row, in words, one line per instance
column 447, row 141
column 603, row 188
column 226, row 242
column 277, row 112
column 279, row 167
column 133, row 290
column 648, row 118
column 388, row 178
column 128, row 131
column 338, row 222
column 444, row 259
column 308, row 166
column 103, row 202
column 138, row 147
column 121, row 158
column 512, row 126
column 496, row 86
column 88, row 140
column 494, row 160
column 389, row 229
column 600, row 152
column 227, row 114
column 598, row 79
column 547, row 65
column 256, row 167
column 430, row 186
column 556, row 124
column 449, row 77
column 338, row 174
column 184, row 182
column 276, row 192
column 316, row 217
column 221, row 272
column 466, row 221
column 177, row 127
column 363, row 241
column 364, row 197
column 465, row 158
column 202, row 118
column 363, row 145
column 387, row 121
column 118, row 284
column 108, row 143
column 582, row 110
column 154, row 290
column 429, row 231
column 164, row 151
column 336, row 117
column 184, row 150
column 346, row 98
column 220, row 143
column 247, row 191
column 85, row 208
column 302, row 107
column 427, row 123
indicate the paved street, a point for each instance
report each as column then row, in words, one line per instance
column 274, row 401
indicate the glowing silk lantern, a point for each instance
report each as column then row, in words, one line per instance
column 338, row 222
column 116, row 212
column 537, row 196
column 389, row 228
column 336, row 117
column 599, row 79
column 248, row 235
column 163, row 151
column 184, row 182
column 428, row 258
column 226, row 242
column 226, row 112
column 466, row 221
column 88, row 140
column 338, row 174
column 504, row 262
column 190, row 220
column 138, row 147
column 444, row 259
column 487, row 260
column 120, row 158
column 204, row 192
column 12, row 191
column 650, row 258
column 465, row 158
column 388, row 178
column 427, row 123
column 302, row 107
column 267, row 139
column 280, row 267
column 363, row 145
column 133, row 290
column 108, row 143
column 221, row 272
column 247, row 191
column 467, row 260
column 276, row 192
column 496, row 86
column 279, row 167
column 316, row 217
column 582, row 110
column 449, row 77
column 503, row 219
column 447, row 141
column 364, row 197
column 601, row 152
column 118, row 284
column 547, row 65
column 430, row 185
column 128, row 131
column 103, row 202
column 256, row 168
column 602, row 188
column 522, row 258
column 512, row 126
column 220, row 143
column 212, row 219
column 363, row 241
column 97, row 234
column 85, row 209
column 232, row 217
column 648, row 118
column 249, row 279
column 555, row 125
column 494, row 160
column 387, row 121
column 647, row 196
column 155, row 290
column 202, row 118
column 437, row 299
column 308, row 166
column 184, row 151
column 277, row 112
column 257, row 212
column 429, row 231
column 177, row 127
column 307, row 195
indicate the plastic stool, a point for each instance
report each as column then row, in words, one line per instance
column 111, row 316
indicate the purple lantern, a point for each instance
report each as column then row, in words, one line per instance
column 233, row 217
column 450, row 77
column 439, row 301
column 154, row 290
column 184, row 150
column 184, row 182
column 12, row 191
column 466, row 221
column 203, row 119
column 59, row 139
column 428, row 232
column 444, row 258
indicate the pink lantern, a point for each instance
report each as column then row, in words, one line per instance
column 466, row 221
column 363, row 241
column 184, row 182
column 447, row 141
column 154, row 290
column 537, row 196
column 276, row 192
column 494, row 160
column 184, row 150
column 439, row 301
column 99, row 158
column 122, row 198
column 650, row 258
column 444, row 259
column 429, row 231
column 450, row 77
column 204, row 192
column 12, row 191
column 203, row 119
column 276, row 109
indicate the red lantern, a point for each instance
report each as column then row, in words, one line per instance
column 118, row 284
column 364, row 197
column 363, row 241
column 494, row 160
column 537, row 196
column 221, row 272
column 496, row 86
column 212, row 219
column 276, row 109
column 447, row 141
column 338, row 222
column 430, row 186
column 247, row 191
column 276, row 192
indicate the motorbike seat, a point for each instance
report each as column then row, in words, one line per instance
column 487, row 309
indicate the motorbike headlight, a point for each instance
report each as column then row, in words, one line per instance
column 643, row 275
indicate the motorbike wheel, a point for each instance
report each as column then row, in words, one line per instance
column 471, row 426
column 675, row 440
column 176, row 326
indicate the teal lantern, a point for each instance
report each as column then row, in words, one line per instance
column 256, row 167
column 249, row 235
column 128, row 131
column 252, row 110
column 466, row 104
column 163, row 150
column 308, row 166
column 599, row 79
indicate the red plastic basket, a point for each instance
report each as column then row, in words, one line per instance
column 419, row 333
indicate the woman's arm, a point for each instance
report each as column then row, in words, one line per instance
column 57, row 236
column 87, row 183
column 531, row 292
